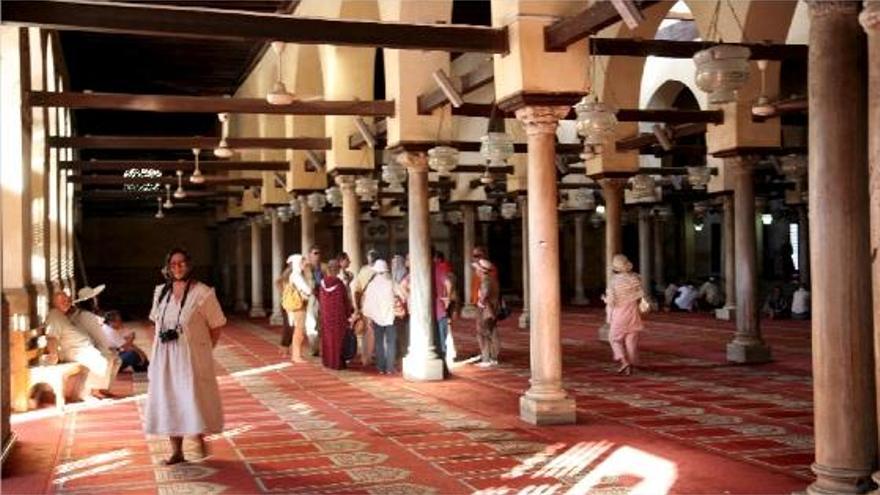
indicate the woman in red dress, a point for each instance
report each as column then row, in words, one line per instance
column 336, row 310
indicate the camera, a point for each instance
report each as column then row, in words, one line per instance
column 168, row 335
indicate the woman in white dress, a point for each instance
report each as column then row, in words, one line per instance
column 183, row 398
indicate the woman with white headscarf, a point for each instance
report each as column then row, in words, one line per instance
column 296, row 304
column 622, row 300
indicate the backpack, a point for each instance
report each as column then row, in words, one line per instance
column 291, row 299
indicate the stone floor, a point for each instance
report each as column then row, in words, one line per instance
column 686, row 423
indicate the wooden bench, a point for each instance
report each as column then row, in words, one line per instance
column 25, row 354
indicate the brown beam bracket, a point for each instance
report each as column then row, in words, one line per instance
column 477, row 78
column 178, row 142
column 591, row 20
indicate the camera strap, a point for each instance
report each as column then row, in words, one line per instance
column 168, row 301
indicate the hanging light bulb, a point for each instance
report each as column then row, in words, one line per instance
column 197, row 177
column 180, row 193
column 168, row 204
column 223, row 150
column 159, row 213
column 279, row 94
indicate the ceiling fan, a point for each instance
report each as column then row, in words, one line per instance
column 279, row 95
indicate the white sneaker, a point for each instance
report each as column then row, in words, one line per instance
column 493, row 362
column 484, row 364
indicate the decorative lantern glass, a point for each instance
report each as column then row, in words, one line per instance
column 643, row 188
column 334, row 196
column 698, row 177
column 295, row 206
column 284, row 213
column 508, row 210
column 316, row 201
column 394, row 174
column 595, row 121
column 443, row 159
column 496, row 148
column 366, row 188
column 721, row 70
column 485, row 213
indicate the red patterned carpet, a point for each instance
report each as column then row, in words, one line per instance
column 686, row 423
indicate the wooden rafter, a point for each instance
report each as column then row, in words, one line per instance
column 591, row 20
column 172, row 165
column 205, row 104
column 109, row 180
column 177, row 142
column 686, row 49
column 471, row 81
column 205, row 23
column 669, row 116
column 647, row 139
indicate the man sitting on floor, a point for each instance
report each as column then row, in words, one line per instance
column 800, row 303
column 710, row 296
column 686, row 298
column 71, row 343
column 122, row 341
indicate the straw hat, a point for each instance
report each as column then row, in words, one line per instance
column 87, row 293
column 620, row 263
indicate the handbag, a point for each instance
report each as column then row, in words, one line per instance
column 349, row 345
column 291, row 299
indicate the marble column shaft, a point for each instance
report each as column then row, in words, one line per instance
column 524, row 212
column 240, row 304
column 579, row 295
column 278, row 260
column 659, row 273
column 645, row 249
column 612, row 190
column 257, row 310
column 307, row 227
column 728, row 238
column 351, row 222
column 469, row 230
column 545, row 402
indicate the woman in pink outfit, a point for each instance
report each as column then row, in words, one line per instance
column 622, row 300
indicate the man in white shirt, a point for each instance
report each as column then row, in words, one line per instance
column 687, row 296
column 800, row 304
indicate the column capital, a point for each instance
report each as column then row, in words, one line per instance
column 541, row 119
column 820, row 8
column 345, row 182
column 414, row 161
column 870, row 17
column 615, row 183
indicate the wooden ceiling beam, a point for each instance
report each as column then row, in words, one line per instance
column 669, row 116
column 109, row 180
column 172, row 165
column 179, row 142
column 559, row 35
column 206, row 23
column 205, row 104
column 686, row 49
column 647, row 139
column 471, row 81
column 152, row 195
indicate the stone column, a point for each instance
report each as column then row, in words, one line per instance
column 580, row 298
column 612, row 190
column 689, row 234
column 240, row 304
column 225, row 271
column 804, row 245
column 351, row 221
column 870, row 19
column 747, row 345
column 728, row 312
column 278, row 260
column 468, row 310
column 545, row 402
column 307, row 227
column 659, row 273
column 257, row 310
column 524, row 211
column 645, row 249
column 843, row 360
column 421, row 362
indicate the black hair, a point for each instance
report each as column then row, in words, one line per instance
column 166, row 272
column 112, row 315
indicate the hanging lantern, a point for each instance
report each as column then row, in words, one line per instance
column 223, row 150
column 316, row 201
column 454, row 217
column 159, row 213
column 581, row 199
column 485, row 213
column 595, row 121
column 443, row 159
column 496, row 148
column 295, row 206
column 366, row 188
column 394, row 174
column 508, row 210
column 284, row 213
column 721, row 70
column 197, row 177
column 180, row 193
column 698, row 177
column 168, row 204
column 643, row 188
column 334, row 196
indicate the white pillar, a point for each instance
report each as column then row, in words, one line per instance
column 545, row 402
column 421, row 362
column 240, row 304
column 579, row 297
column 277, row 267
column 351, row 221
column 468, row 310
column 645, row 249
column 257, row 310
column 307, row 227
column 524, row 210
column 728, row 312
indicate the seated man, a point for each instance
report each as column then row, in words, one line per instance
column 800, row 303
column 669, row 296
column 71, row 343
column 710, row 294
column 776, row 306
column 121, row 340
column 686, row 298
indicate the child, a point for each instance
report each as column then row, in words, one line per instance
column 122, row 341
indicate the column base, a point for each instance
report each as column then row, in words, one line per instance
column 547, row 411
column 580, row 301
column 419, row 368
column 469, row 311
column 277, row 319
column 524, row 320
column 257, row 312
column 604, row 330
column 240, row 307
column 727, row 313
column 748, row 352
column 830, row 480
